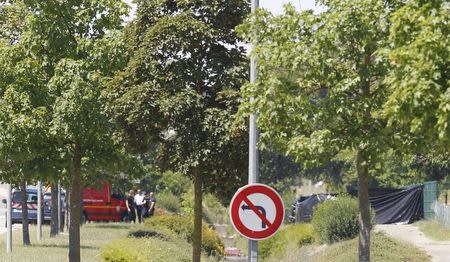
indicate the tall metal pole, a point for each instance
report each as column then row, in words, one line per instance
column 253, row 165
column 59, row 208
column 8, row 220
column 39, row 210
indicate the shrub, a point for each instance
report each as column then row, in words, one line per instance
column 183, row 226
column 336, row 220
column 122, row 250
column 169, row 202
column 294, row 235
column 211, row 242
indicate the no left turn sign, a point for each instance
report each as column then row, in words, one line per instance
column 256, row 211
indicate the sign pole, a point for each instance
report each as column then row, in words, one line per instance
column 8, row 221
column 253, row 167
column 59, row 208
column 39, row 210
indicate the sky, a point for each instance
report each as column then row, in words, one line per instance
column 275, row 6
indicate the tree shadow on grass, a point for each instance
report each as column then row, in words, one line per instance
column 110, row 226
column 148, row 234
column 61, row 246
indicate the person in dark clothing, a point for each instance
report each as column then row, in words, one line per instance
column 146, row 206
column 130, row 207
column 152, row 204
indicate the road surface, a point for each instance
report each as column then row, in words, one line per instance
column 438, row 250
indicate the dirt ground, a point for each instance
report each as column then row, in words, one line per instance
column 438, row 250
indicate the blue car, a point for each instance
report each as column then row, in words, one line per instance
column 16, row 205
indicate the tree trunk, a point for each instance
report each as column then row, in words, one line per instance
column 197, row 234
column 364, row 208
column 25, row 228
column 75, row 207
column 54, row 206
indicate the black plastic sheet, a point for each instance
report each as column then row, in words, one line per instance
column 302, row 208
column 402, row 206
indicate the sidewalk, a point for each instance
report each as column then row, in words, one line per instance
column 438, row 250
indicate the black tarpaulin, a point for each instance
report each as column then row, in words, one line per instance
column 302, row 209
column 397, row 205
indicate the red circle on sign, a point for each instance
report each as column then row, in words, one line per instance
column 242, row 196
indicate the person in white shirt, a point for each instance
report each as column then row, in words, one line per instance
column 139, row 201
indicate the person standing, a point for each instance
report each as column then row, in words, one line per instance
column 152, row 204
column 146, row 207
column 140, row 202
column 130, row 206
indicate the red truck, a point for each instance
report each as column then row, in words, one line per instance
column 100, row 204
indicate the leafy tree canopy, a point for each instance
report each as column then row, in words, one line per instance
column 419, row 52
column 180, row 89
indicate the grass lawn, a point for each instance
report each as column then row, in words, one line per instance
column 383, row 249
column 433, row 230
column 93, row 237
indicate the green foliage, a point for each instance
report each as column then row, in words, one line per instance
column 290, row 236
column 213, row 210
column 317, row 101
column 123, row 250
column 277, row 170
column 183, row 227
column 181, row 89
column 288, row 196
column 211, row 242
column 187, row 202
column 169, row 202
column 176, row 183
column 419, row 51
column 336, row 220
column 180, row 225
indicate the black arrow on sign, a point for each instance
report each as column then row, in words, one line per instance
column 260, row 208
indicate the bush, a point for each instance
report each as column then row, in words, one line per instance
column 123, row 250
column 183, row 226
column 211, row 242
column 291, row 236
column 336, row 220
column 169, row 202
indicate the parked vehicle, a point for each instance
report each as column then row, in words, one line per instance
column 16, row 205
column 48, row 205
column 101, row 204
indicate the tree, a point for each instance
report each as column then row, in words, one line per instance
column 320, row 90
column 74, row 45
column 22, row 121
column 180, row 91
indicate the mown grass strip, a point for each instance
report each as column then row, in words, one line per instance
column 433, row 230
